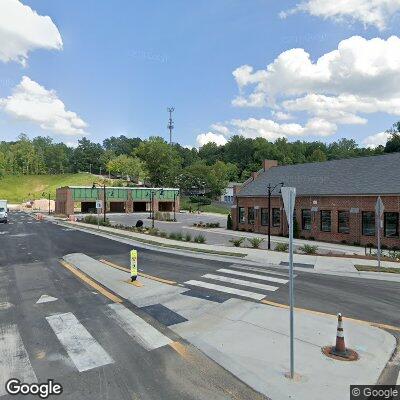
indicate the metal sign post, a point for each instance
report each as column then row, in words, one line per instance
column 99, row 206
column 289, row 198
column 379, row 208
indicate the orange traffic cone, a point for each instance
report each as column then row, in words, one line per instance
column 340, row 347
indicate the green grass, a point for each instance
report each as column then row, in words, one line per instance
column 212, row 208
column 370, row 268
column 20, row 188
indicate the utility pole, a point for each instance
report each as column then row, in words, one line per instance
column 170, row 123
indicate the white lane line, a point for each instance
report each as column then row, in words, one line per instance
column 255, row 276
column 137, row 328
column 241, row 282
column 14, row 359
column 80, row 345
column 225, row 289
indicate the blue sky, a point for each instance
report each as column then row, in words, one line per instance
column 123, row 62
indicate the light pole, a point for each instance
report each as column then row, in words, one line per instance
column 175, row 195
column 48, row 195
column 270, row 190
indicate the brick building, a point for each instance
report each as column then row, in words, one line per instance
column 335, row 199
column 118, row 199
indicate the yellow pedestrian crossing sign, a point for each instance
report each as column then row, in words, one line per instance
column 134, row 265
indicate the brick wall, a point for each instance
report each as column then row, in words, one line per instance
column 357, row 204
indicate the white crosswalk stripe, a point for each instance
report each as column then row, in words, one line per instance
column 241, row 279
column 85, row 352
column 142, row 332
column 14, row 359
column 226, row 289
column 255, row 276
column 241, row 282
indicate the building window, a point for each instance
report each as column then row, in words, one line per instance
column 326, row 221
column 276, row 217
column 343, row 222
column 391, row 224
column 264, row 216
column 306, row 220
column 368, row 223
column 241, row 215
column 250, row 215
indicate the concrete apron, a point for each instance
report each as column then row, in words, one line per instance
column 251, row 341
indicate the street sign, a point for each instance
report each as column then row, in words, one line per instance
column 99, row 204
column 288, row 196
column 379, row 208
column 134, row 265
column 289, row 199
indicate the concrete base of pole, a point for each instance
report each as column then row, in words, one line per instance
column 347, row 355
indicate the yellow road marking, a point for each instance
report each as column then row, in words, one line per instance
column 360, row 321
column 91, row 282
column 134, row 283
column 152, row 277
column 180, row 349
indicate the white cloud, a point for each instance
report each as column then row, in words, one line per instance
column 369, row 12
column 22, row 30
column 272, row 130
column 32, row 102
column 210, row 137
column 375, row 140
column 281, row 116
column 360, row 77
column 219, row 128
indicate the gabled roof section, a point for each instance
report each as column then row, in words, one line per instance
column 353, row 176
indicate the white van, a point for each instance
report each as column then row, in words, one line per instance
column 3, row 211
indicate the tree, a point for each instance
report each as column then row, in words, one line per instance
column 317, row 156
column 129, row 166
column 87, row 156
column 161, row 159
column 121, row 144
column 393, row 144
column 211, row 153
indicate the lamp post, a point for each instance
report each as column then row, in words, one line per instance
column 175, row 195
column 270, row 191
column 48, row 195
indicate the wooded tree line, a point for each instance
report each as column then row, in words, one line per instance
column 156, row 162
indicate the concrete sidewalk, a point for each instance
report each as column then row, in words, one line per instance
column 251, row 339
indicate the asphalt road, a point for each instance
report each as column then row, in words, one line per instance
column 72, row 338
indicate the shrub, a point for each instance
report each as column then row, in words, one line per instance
column 229, row 222
column 237, row 242
column 255, row 242
column 153, row 231
column 172, row 235
column 178, row 236
column 92, row 219
column 199, row 239
column 309, row 249
column 281, row 247
column 163, row 234
column 188, row 237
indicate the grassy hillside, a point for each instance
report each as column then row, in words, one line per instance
column 17, row 189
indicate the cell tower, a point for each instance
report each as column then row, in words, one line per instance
column 170, row 123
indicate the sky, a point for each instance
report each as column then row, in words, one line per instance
column 303, row 69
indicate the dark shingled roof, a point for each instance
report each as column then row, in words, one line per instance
column 352, row 176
